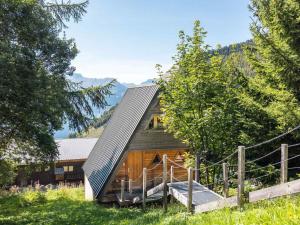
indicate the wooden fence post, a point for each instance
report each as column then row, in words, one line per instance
column 197, row 167
column 190, row 190
column 225, row 180
column 284, row 163
column 241, row 177
column 122, row 190
column 165, row 177
column 144, row 187
column 130, row 186
column 171, row 181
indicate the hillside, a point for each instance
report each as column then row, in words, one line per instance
column 40, row 208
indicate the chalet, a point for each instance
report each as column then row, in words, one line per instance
column 132, row 140
column 67, row 168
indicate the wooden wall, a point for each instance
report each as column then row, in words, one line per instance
column 145, row 139
column 136, row 160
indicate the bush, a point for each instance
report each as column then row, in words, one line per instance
column 32, row 198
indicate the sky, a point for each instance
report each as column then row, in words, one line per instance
column 125, row 39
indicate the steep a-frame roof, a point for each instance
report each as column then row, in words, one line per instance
column 110, row 147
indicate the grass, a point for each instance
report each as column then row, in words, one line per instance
column 67, row 206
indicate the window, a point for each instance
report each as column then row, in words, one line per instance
column 71, row 168
column 179, row 157
column 68, row 168
column 155, row 122
column 156, row 159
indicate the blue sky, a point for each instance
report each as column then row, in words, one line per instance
column 124, row 39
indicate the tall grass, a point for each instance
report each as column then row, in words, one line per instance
column 67, row 206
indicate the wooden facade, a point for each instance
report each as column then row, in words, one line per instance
column 145, row 149
column 66, row 171
column 132, row 167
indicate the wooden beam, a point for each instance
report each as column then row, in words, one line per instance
column 156, row 189
column 190, row 190
column 144, row 187
column 171, row 181
column 165, row 178
column 219, row 204
column 225, row 180
column 122, row 190
column 284, row 164
column 288, row 188
column 241, row 177
column 130, row 186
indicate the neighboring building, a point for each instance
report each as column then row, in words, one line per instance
column 67, row 168
column 132, row 140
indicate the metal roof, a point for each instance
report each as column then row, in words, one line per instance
column 110, row 147
column 75, row 148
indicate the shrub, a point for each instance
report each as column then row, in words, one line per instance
column 32, row 198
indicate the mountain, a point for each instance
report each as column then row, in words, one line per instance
column 117, row 93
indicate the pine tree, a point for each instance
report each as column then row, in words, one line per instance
column 276, row 33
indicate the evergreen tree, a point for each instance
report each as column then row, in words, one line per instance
column 36, row 94
column 276, row 33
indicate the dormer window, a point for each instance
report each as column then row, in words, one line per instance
column 155, row 122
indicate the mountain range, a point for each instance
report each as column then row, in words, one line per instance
column 117, row 93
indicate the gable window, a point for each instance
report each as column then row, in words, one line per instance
column 179, row 157
column 155, row 122
column 156, row 159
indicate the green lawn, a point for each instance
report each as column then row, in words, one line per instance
column 67, row 206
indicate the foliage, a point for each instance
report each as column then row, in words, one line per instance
column 214, row 104
column 7, row 174
column 37, row 96
column 276, row 34
column 66, row 206
column 97, row 125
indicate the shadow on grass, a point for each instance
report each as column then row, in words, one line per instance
column 69, row 211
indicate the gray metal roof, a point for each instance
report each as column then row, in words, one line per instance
column 112, row 143
column 75, row 148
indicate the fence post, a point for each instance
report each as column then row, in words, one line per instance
column 241, row 177
column 190, row 190
column 165, row 177
column 197, row 167
column 284, row 163
column 122, row 190
column 171, row 181
column 225, row 180
column 130, row 186
column 144, row 187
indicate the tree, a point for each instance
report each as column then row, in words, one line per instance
column 276, row 34
column 211, row 104
column 36, row 96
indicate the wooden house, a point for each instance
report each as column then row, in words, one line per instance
column 132, row 140
column 67, row 168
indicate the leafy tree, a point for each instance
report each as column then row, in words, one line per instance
column 276, row 34
column 36, row 96
column 212, row 104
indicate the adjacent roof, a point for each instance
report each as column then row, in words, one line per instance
column 111, row 145
column 75, row 148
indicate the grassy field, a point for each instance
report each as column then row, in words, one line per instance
column 67, row 206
